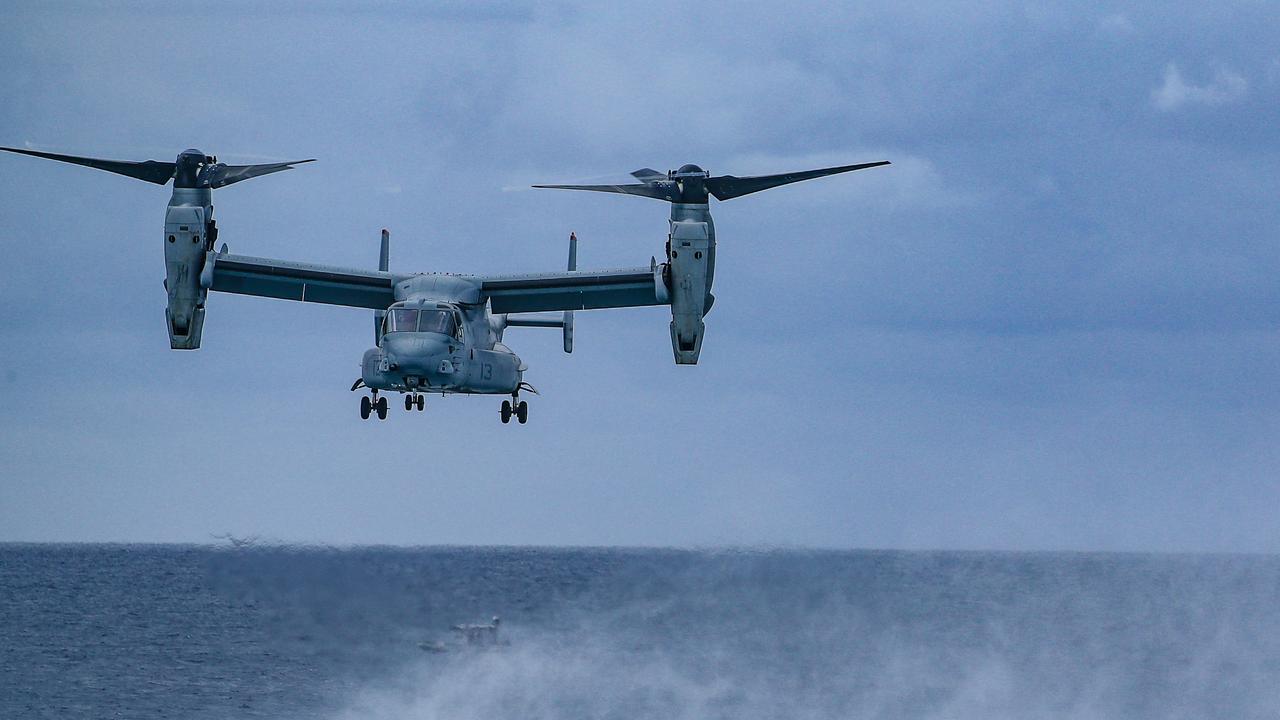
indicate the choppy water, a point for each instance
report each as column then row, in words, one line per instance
column 166, row 632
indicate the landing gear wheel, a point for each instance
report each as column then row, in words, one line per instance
column 365, row 407
column 422, row 402
column 382, row 408
column 522, row 412
column 506, row 411
column 408, row 402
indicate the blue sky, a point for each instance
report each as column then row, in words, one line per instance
column 1050, row 324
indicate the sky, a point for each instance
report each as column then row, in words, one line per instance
column 1052, row 324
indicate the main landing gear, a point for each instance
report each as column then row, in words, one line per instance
column 515, row 406
column 373, row 404
column 415, row 400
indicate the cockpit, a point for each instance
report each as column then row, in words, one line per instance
column 438, row 319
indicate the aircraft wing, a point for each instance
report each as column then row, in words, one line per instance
column 304, row 282
column 576, row 290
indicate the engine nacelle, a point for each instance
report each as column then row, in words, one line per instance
column 690, row 258
column 185, row 243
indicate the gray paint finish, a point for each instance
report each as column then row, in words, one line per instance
column 461, row 351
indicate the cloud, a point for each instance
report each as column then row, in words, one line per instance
column 1117, row 25
column 1176, row 92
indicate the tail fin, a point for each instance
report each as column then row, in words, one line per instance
column 568, row 314
column 565, row 323
column 384, row 263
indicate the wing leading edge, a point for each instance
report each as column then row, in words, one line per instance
column 305, row 282
column 577, row 290
column 375, row 290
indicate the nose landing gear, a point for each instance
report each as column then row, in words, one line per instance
column 373, row 404
column 515, row 406
column 415, row 400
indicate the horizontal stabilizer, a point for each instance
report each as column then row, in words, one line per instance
column 535, row 321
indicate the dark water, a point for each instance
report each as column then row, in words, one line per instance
column 168, row 632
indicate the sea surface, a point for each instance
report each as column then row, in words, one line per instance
column 124, row 631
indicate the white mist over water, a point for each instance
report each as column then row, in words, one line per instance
column 814, row 637
column 282, row 633
column 546, row 679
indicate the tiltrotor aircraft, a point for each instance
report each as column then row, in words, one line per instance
column 442, row 332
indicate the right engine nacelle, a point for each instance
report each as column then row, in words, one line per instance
column 690, row 258
column 185, row 229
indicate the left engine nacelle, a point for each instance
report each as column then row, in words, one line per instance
column 185, row 242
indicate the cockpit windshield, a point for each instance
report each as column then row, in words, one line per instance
column 436, row 320
column 403, row 320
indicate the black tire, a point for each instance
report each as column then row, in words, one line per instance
column 422, row 402
column 382, row 408
column 408, row 402
column 365, row 407
column 522, row 412
column 506, row 412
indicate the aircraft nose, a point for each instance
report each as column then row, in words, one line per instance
column 416, row 353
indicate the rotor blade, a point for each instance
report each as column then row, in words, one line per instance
column 658, row 192
column 648, row 175
column 221, row 175
column 152, row 171
column 726, row 187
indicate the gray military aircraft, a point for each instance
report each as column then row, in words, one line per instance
column 442, row 332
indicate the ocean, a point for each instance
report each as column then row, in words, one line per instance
column 124, row 631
